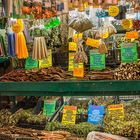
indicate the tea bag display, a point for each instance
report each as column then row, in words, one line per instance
column 79, row 21
column 39, row 49
column 80, row 56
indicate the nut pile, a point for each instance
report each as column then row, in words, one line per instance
column 128, row 72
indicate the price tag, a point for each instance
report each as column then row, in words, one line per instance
column 105, row 35
column 78, row 70
column 132, row 35
column 116, row 110
column 49, row 107
column 30, row 63
column 72, row 46
column 127, row 23
column 69, row 115
column 77, row 36
column 114, row 11
column 46, row 63
column 93, row 42
column 97, row 60
column 95, row 114
column 129, row 52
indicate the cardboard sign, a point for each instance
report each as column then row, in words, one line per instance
column 30, row 63
column 129, row 52
column 69, row 115
column 71, row 61
column 127, row 23
column 49, row 107
column 132, row 35
column 114, row 11
column 78, row 70
column 97, row 60
column 77, row 36
column 95, row 114
column 116, row 110
column 93, row 42
column 72, row 46
column 46, row 63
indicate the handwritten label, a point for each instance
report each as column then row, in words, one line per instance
column 127, row 23
column 77, row 36
column 97, row 60
column 71, row 61
column 93, row 42
column 30, row 63
column 113, row 11
column 47, row 62
column 105, row 35
column 72, row 46
column 69, row 115
column 116, row 110
column 129, row 52
column 49, row 107
column 78, row 70
column 95, row 114
column 132, row 35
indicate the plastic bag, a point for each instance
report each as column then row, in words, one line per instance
column 80, row 22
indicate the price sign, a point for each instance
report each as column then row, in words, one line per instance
column 93, row 42
column 71, row 61
column 78, row 70
column 129, row 52
column 95, row 114
column 127, row 23
column 47, row 62
column 69, row 115
column 77, row 36
column 30, row 63
column 72, row 46
column 132, row 35
column 114, row 11
column 105, row 35
column 97, row 60
column 49, row 107
column 116, row 110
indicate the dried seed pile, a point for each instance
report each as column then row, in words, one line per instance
column 128, row 72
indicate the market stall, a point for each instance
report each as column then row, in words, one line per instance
column 69, row 69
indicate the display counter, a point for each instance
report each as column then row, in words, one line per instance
column 70, row 88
